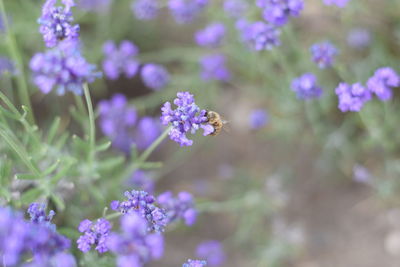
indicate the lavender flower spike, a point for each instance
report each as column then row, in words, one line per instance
column 258, row 119
column 211, row 36
column 94, row 234
column 352, row 97
column 338, row 3
column 181, row 207
column 56, row 23
column 278, row 12
column 155, row 76
column 213, row 68
column 305, row 86
column 323, row 54
column 37, row 212
column 145, row 9
column 382, row 81
column 185, row 11
column 212, row 251
column 235, row 8
column 195, row 263
column 187, row 117
column 62, row 68
column 258, row 35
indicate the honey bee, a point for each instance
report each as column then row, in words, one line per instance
column 216, row 121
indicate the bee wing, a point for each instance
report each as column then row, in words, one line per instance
column 226, row 126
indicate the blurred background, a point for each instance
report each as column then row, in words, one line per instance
column 300, row 184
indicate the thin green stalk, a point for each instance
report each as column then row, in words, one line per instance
column 23, row 92
column 92, row 128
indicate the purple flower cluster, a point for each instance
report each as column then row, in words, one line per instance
column 155, row 76
column 352, row 97
column 187, row 117
column 235, row 8
column 323, row 54
column 62, row 68
column 339, row 3
column 278, row 12
column 194, row 263
column 95, row 5
column 142, row 180
column 119, row 122
column 259, row 35
column 181, row 207
column 382, row 81
column 20, row 239
column 134, row 246
column 145, row 9
column 213, row 68
column 306, row 86
column 142, row 203
column 120, row 60
column 37, row 212
column 94, row 234
column 212, row 251
column 185, row 11
column 258, row 119
column 212, row 36
column 359, row 38
column 7, row 66
column 56, row 23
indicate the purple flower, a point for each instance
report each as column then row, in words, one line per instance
column 185, row 11
column 37, row 212
column 145, row 9
column 382, row 82
column 278, row 12
column 258, row 35
column 306, row 86
column 323, row 54
column 258, row 119
column 213, row 68
column 361, row 174
column 142, row 203
column 119, row 122
column 339, row 3
column 359, row 38
column 20, row 239
column 94, row 234
column 56, row 23
column 142, row 180
column 352, row 97
column 63, row 259
column 187, row 117
column 155, row 76
column 212, row 251
column 120, row 60
column 211, row 36
column 7, row 66
column 235, row 8
column 181, row 207
column 134, row 246
column 194, row 263
column 95, row 5
column 62, row 68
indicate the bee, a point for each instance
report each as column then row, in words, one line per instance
column 216, row 121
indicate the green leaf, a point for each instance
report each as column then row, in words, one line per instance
column 53, row 130
column 80, row 144
column 111, row 163
column 103, row 146
column 5, row 172
column 31, row 195
column 151, row 165
column 51, row 168
column 26, row 176
column 58, row 201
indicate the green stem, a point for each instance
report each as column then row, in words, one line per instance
column 113, row 215
column 92, row 128
column 21, row 82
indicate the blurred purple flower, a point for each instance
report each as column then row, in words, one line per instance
column 339, row 3
column 258, row 35
column 323, row 54
column 134, row 246
column 211, row 36
column 120, row 60
column 63, row 259
column 155, row 76
column 142, row 180
column 142, row 203
column 352, row 97
column 62, row 68
column 7, row 66
column 212, row 251
column 179, row 208
column 56, row 23
column 258, row 119
column 37, row 212
column 187, row 117
column 361, row 174
column 306, row 86
column 382, row 81
column 20, row 239
column 359, row 38
column 185, row 11
column 278, row 12
column 235, row 8
column 213, row 68
column 119, row 122
column 93, row 234
column 95, row 5
column 145, row 9
column 195, row 263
